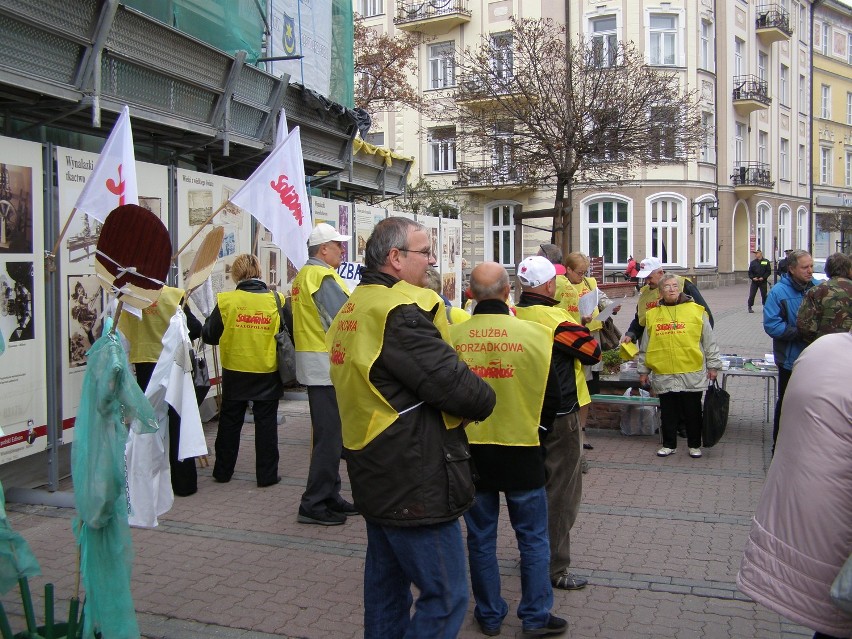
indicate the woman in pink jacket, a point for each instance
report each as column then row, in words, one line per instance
column 802, row 531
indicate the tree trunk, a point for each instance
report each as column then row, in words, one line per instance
column 562, row 210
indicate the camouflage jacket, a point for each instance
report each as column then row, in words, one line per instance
column 826, row 308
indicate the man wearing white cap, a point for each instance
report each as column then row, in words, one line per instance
column 318, row 292
column 651, row 270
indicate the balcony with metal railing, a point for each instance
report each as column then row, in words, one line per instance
column 490, row 176
column 773, row 23
column 431, row 17
column 481, row 92
column 749, row 178
column 750, row 93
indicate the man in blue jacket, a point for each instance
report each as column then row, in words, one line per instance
column 779, row 321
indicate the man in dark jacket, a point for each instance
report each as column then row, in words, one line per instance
column 515, row 358
column 573, row 346
column 759, row 272
column 404, row 398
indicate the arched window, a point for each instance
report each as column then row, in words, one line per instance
column 500, row 232
column 785, row 230
column 802, row 228
column 666, row 227
column 606, row 229
column 763, row 228
column 705, row 233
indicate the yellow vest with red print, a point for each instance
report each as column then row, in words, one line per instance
column 567, row 297
column 674, row 338
column 551, row 317
column 308, row 332
column 648, row 298
column 585, row 287
column 513, row 357
column 146, row 335
column 355, row 341
column 248, row 341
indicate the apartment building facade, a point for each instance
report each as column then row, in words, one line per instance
column 832, row 130
column 748, row 187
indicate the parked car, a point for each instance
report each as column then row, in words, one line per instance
column 819, row 269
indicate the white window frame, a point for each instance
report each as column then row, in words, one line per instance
column 784, row 158
column 848, row 168
column 825, row 101
column 849, row 103
column 672, row 224
column 740, row 142
column 784, row 85
column 739, row 50
column 763, row 66
column 803, row 164
column 665, row 42
column 802, row 228
column 442, row 151
column 706, row 45
column 825, row 34
column 803, row 93
column 504, row 230
column 803, row 22
column 605, row 40
column 706, row 246
column 825, row 165
column 623, row 229
column 849, row 48
column 442, row 67
column 763, row 227
column 370, row 8
column 502, row 64
column 707, row 152
column 763, row 147
column 785, row 231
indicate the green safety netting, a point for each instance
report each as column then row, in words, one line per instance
column 110, row 401
column 342, row 56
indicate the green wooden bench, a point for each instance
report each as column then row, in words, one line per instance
column 626, row 401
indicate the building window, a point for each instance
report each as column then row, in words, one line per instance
column 500, row 225
column 764, row 228
column 442, row 65
column 825, row 165
column 371, row 8
column 605, row 41
column 784, row 85
column 663, row 133
column 762, row 63
column 803, row 22
column 825, row 102
column 849, row 106
column 784, row 153
column 784, row 230
column 442, row 149
column 803, row 93
column 501, row 55
column 502, row 150
column 739, row 142
column 801, row 229
column 762, row 144
column 663, row 39
column 848, row 168
column 849, row 48
column 607, row 230
column 376, row 139
column 665, row 228
column 707, row 152
column 705, row 238
column 803, row 165
column 825, row 44
column 739, row 47
column 705, row 50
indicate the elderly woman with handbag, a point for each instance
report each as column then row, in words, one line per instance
column 243, row 324
column 678, row 352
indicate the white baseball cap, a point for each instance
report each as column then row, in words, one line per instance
column 648, row 266
column 535, row 271
column 323, row 233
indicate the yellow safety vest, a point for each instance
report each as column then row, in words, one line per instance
column 457, row 315
column 146, row 335
column 648, row 298
column 674, row 338
column 308, row 332
column 567, row 297
column 586, row 286
column 355, row 341
column 551, row 317
column 248, row 341
column 513, row 357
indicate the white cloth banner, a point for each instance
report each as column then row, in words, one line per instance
column 113, row 180
column 301, row 28
column 276, row 196
column 283, row 131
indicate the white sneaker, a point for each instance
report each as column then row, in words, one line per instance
column 695, row 452
column 665, row 452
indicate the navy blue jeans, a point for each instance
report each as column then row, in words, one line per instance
column 431, row 558
column 528, row 514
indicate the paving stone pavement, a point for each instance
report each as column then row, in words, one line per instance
column 659, row 539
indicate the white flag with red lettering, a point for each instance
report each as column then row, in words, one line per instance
column 282, row 132
column 276, row 196
column 113, row 182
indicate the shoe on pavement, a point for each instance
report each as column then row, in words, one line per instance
column 271, row 482
column 587, row 446
column 489, row 631
column 695, row 452
column 344, row 507
column 665, row 451
column 324, row 518
column 555, row 626
column 750, row 309
column 569, row 581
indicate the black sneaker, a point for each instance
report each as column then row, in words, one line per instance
column 324, row 518
column 750, row 309
column 489, row 631
column 569, row 581
column 555, row 626
column 343, row 506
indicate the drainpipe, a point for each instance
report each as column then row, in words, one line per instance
column 812, row 221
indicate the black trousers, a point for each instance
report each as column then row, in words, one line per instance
column 783, row 379
column 231, row 416
column 681, row 407
column 323, row 486
column 755, row 287
column 183, row 473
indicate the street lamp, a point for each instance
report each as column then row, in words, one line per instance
column 711, row 207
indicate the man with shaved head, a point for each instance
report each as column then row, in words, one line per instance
column 514, row 357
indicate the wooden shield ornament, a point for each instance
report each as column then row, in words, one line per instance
column 204, row 260
column 133, row 255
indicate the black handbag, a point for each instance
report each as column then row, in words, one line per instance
column 284, row 349
column 715, row 414
column 610, row 335
column 200, row 374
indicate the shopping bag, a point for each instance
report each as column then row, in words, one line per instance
column 841, row 589
column 639, row 420
column 284, row 348
column 200, row 374
column 715, row 417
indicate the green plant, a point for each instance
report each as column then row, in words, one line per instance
column 611, row 362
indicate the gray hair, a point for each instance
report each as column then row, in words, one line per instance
column 794, row 257
column 313, row 250
column 665, row 278
column 390, row 233
column 838, row 265
column 433, row 280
